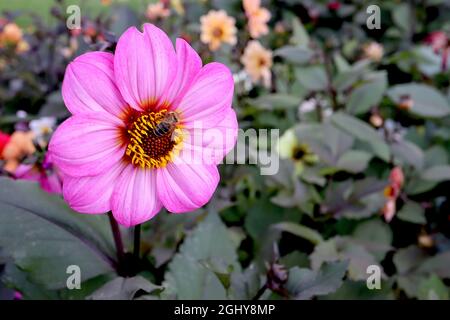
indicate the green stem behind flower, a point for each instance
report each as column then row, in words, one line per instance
column 117, row 238
column 137, row 242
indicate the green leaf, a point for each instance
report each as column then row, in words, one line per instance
column 124, row 289
column 376, row 236
column 299, row 230
column 344, row 80
column 295, row 259
column 343, row 249
column 361, row 130
column 262, row 215
column 408, row 153
column 357, row 290
column 436, row 155
column 354, row 161
column 437, row 173
column 367, row 95
column 245, row 285
column 402, row 16
column 295, row 54
column 433, row 289
column 299, row 35
column 407, row 259
column 187, row 277
column 427, row 101
column 305, row 283
column 276, row 101
column 417, row 185
column 313, row 78
column 44, row 236
column 438, row 265
column 412, row 212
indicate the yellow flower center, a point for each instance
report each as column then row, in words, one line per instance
column 154, row 138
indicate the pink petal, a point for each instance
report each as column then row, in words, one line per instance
column 185, row 187
column 89, row 85
column 209, row 95
column 87, row 144
column 189, row 65
column 27, row 172
column 92, row 194
column 145, row 65
column 134, row 199
column 212, row 143
column 51, row 183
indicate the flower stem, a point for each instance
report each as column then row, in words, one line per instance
column 260, row 292
column 137, row 241
column 117, row 238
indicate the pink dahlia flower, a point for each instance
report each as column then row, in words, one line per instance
column 48, row 177
column 118, row 152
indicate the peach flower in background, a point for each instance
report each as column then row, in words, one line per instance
column 157, row 11
column 258, row 18
column 12, row 36
column 392, row 192
column 257, row 62
column 19, row 145
column 373, row 51
column 217, row 28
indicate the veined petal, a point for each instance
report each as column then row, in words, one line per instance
column 134, row 199
column 212, row 142
column 209, row 95
column 145, row 65
column 184, row 187
column 92, row 194
column 87, row 144
column 188, row 67
column 89, row 85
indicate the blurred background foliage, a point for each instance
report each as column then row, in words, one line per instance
column 364, row 173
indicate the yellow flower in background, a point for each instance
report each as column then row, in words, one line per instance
column 300, row 153
column 258, row 18
column 217, row 28
column 257, row 62
column 373, row 51
column 157, row 11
